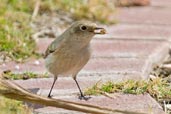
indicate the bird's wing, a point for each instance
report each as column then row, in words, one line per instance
column 53, row 46
column 48, row 51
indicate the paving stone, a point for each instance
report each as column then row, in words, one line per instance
column 61, row 84
column 161, row 3
column 137, row 103
column 137, row 31
column 53, row 110
column 99, row 64
column 28, row 66
column 113, row 66
column 128, row 51
column 65, row 84
column 144, row 15
column 130, row 58
column 97, row 67
column 125, row 48
column 103, row 47
column 42, row 44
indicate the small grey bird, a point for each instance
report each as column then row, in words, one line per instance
column 69, row 52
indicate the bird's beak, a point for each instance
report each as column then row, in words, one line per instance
column 99, row 30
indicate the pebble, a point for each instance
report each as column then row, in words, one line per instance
column 3, row 64
column 17, row 67
column 36, row 62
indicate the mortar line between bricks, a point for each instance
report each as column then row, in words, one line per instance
column 132, row 39
column 163, row 7
column 156, row 24
column 161, row 52
column 142, row 24
column 113, row 57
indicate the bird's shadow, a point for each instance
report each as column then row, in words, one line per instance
column 36, row 106
column 32, row 105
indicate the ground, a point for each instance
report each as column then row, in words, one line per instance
column 132, row 48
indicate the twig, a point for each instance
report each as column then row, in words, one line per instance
column 11, row 90
column 36, row 9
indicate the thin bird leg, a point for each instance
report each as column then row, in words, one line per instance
column 81, row 93
column 55, row 78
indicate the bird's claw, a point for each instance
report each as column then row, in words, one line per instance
column 50, row 96
column 84, row 98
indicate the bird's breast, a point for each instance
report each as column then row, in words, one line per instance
column 67, row 61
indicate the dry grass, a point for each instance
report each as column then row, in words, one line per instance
column 24, row 75
column 12, row 90
column 95, row 10
column 9, row 106
column 15, row 30
column 157, row 88
column 16, row 18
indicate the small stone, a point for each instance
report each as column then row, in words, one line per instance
column 37, row 62
column 24, row 44
column 3, row 64
column 168, row 106
column 166, row 66
column 17, row 67
column 152, row 77
column 25, row 77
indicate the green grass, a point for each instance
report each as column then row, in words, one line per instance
column 15, row 21
column 15, row 29
column 9, row 106
column 15, row 33
column 94, row 10
column 24, row 75
column 157, row 88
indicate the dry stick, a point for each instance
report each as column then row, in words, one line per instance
column 11, row 90
column 36, row 9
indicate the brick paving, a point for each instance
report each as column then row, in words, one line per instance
column 129, row 51
column 138, row 31
column 144, row 15
column 161, row 3
column 128, row 102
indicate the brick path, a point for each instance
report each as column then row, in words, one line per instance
column 129, row 51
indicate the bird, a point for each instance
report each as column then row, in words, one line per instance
column 71, row 51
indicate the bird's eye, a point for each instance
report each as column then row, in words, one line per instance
column 83, row 28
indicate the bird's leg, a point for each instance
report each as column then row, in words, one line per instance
column 81, row 93
column 55, row 78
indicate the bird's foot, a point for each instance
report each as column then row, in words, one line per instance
column 50, row 96
column 82, row 97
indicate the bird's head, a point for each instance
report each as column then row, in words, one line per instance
column 85, row 30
